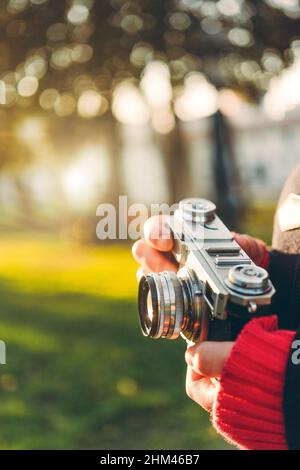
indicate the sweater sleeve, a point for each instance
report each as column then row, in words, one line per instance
column 284, row 270
column 248, row 409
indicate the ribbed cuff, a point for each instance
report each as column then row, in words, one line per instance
column 248, row 410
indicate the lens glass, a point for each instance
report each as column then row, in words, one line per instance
column 149, row 316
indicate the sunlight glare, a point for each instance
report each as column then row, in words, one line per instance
column 86, row 178
column 156, row 84
column 31, row 130
column 284, row 93
column 197, row 99
column 129, row 106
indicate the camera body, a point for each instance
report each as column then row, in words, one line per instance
column 217, row 288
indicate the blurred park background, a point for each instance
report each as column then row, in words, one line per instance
column 156, row 100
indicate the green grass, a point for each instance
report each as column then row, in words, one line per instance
column 79, row 374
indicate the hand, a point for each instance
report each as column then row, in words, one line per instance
column 152, row 251
column 205, row 361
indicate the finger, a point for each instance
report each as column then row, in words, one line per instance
column 151, row 259
column 158, row 233
column 208, row 358
column 246, row 242
column 252, row 246
column 200, row 389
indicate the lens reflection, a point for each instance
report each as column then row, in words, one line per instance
column 149, row 307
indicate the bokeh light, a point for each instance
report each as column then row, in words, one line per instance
column 284, row 92
column 28, row 86
column 240, row 37
column 78, row 14
column 65, row 105
column 156, row 84
column 82, row 53
column 230, row 7
column 141, row 53
column 10, row 95
column 16, row 6
column 129, row 105
column 36, row 66
column 132, row 23
column 87, row 174
column 48, row 98
column 30, row 130
column 197, row 99
column 61, row 58
column 91, row 104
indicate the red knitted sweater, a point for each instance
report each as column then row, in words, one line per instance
column 248, row 410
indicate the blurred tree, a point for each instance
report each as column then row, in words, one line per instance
column 13, row 156
column 215, row 37
column 68, row 55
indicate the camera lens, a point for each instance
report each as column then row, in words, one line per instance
column 160, row 305
column 171, row 304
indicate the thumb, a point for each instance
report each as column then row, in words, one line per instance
column 158, row 234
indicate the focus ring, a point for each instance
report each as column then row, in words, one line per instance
column 178, row 307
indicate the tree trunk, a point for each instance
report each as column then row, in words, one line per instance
column 229, row 195
column 174, row 156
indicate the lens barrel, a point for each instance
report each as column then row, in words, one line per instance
column 170, row 305
column 161, row 305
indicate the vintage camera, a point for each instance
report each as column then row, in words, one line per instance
column 217, row 288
